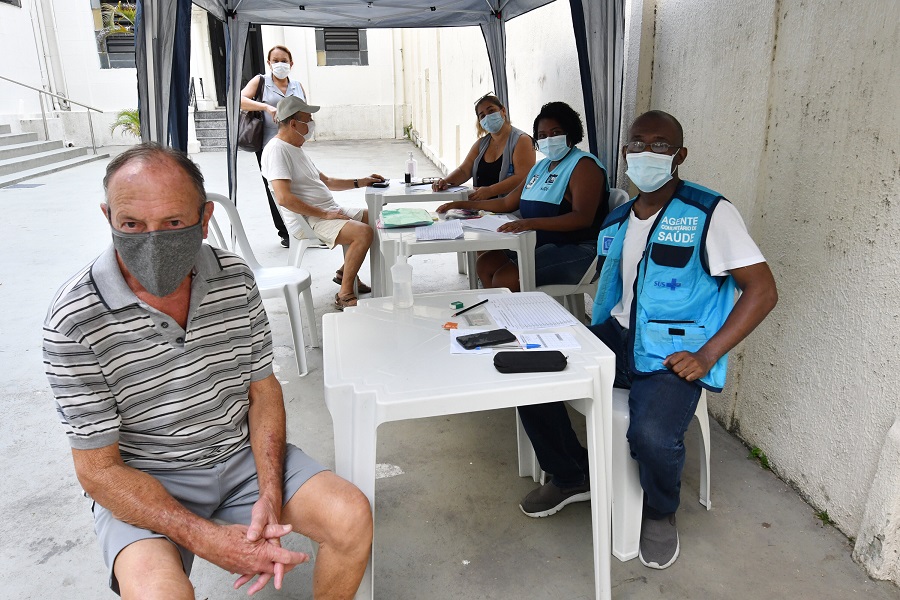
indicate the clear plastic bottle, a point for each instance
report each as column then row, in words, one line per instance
column 401, row 274
column 410, row 168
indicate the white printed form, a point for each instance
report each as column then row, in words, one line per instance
column 441, row 230
column 550, row 340
column 528, row 310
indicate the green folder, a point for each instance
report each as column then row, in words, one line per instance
column 405, row 217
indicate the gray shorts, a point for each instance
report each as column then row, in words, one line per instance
column 225, row 492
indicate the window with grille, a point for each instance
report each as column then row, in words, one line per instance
column 341, row 46
column 114, row 21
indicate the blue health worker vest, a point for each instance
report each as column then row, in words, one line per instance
column 543, row 196
column 677, row 304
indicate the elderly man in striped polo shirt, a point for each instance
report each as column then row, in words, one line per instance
column 159, row 354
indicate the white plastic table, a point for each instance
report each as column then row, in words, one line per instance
column 402, row 242
column 366, row 386
column 398, row 192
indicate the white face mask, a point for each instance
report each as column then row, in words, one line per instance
column 555, row 148
column 312, row 129
column 281, row 69
column 650, row 171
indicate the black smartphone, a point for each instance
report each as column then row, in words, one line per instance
column 486, row 338
column 381, row 184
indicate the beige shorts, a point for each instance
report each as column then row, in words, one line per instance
column 327, row 229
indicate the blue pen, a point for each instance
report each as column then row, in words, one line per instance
column 522, row 346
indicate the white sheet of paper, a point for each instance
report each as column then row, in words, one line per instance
column 441, row 230
column 487, row 222
column 551, row 340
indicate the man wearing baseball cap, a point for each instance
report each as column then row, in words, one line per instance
column 304, row 192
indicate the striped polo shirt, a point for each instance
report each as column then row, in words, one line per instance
column 122, row 371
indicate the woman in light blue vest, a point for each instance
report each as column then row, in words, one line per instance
column 277, row 85
column 498, row 161
column 564, row 198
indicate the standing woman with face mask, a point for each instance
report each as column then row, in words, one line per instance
column 276, row 85
column 498, row 161
column 564, row 199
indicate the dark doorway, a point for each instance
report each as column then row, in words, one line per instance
column 217, row 50
column 254, row 55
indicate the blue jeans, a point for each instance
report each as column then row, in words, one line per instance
column 661, row 407
column 560, row 263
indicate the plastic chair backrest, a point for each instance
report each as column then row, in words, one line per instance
column 237, row 228
column 617, row 198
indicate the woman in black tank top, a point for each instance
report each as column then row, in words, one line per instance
column 499, row 160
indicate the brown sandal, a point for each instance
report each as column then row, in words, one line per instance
column 360, row 286
column 342, row 302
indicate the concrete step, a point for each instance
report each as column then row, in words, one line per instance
column 39, row 159
column 205, row 115
column 220, row 122
column 217, row 142
column 5, row 129
column 6, row 180
column 210, row 124
column 7, row 138
column 17, row 150
column 210, row 134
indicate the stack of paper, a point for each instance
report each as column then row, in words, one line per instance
column 442, row 230
column 528, row 310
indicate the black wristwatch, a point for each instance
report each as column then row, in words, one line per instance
column 356, row 183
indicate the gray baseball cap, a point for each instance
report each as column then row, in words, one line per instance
column 291, row 105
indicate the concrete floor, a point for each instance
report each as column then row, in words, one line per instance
column 448, row 526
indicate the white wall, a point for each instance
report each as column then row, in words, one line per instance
column 790, row 109
column 357, row 101
column 20, row 62
column 23, row 44
column 447, row 70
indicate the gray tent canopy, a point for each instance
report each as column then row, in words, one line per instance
column 598, row 28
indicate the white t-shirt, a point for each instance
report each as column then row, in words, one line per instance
column 281, row 160
column 728, row 246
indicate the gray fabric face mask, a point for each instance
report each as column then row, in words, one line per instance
column 160, row 260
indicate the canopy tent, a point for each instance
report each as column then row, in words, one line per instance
column 598, row 28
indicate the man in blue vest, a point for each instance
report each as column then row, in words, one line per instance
column 670, row 261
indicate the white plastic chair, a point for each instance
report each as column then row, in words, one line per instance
column 297, row 247
column 286, row 282
column 627, row 494
column 572, row 296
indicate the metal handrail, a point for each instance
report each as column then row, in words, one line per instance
column 44, row 114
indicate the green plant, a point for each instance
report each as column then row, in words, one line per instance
column 822, row 515
column 129, row 120
column 116, row 18
column 760, row 456
column 407, row 131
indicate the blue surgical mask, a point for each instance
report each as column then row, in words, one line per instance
column 493, row 122
column 649, row 171
column 555, row 148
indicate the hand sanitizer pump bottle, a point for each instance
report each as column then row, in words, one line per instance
column 401, row 273
column 410, row 169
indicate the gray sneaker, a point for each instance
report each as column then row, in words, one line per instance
column 659, row 542
column 549, row 499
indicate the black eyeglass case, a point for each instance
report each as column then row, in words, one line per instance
column 530, row 362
